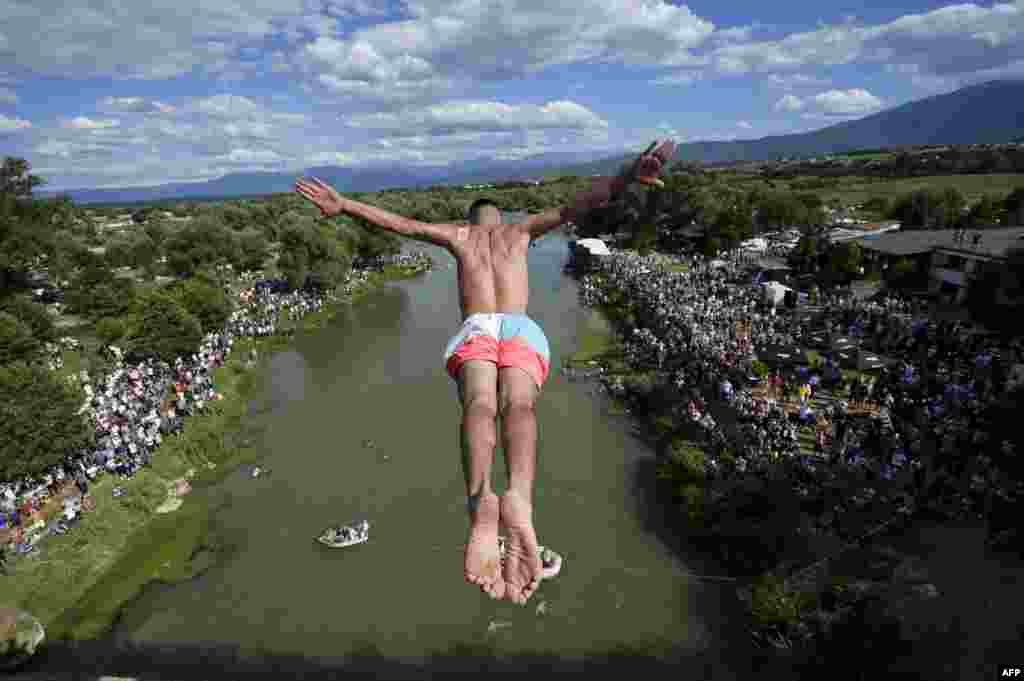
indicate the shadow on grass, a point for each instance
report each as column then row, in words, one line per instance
column 93, row 659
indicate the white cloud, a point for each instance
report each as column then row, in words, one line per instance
column 226, row 106
column 854, row 102
column 254, row 130
column 8, row 96
column 9, row 124
column 745, row 125
column 134, row 105
column 250, row 156
column 84, row 123
column 958, row 39
column 134, row 39
column 443, row 42
column 460, row 116
column 794, row 80
column 789, row 103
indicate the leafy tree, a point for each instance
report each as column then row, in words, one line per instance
column 877, row 204
column 234, row 216
column 157, row 231
column 202, row 243
column 254, row 249
column 1014, row 206
column 16, row 341
column 143, row 215
column 110, row 330
column 163, row 327
column 142, row 253
column 711, row 246
column 32, row 315
column 15, row 180
column 39, row 421
column 845, row 260
column 97, row 293
column 205, row 300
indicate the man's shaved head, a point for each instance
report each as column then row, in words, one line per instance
column 484, row 212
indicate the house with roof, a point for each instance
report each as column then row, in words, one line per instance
column 953, row 258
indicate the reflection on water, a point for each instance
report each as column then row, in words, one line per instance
column 376, row 372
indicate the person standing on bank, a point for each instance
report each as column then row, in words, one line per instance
column 499, row 359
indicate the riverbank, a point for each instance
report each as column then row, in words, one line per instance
column 76, row 583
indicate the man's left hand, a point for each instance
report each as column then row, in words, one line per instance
column 650, row 163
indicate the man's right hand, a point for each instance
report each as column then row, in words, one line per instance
column 323, row 196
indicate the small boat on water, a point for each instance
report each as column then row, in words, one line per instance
column 345, row 535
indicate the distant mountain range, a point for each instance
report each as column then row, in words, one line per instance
column 989, row 113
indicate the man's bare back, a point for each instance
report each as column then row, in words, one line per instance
column 492, row 268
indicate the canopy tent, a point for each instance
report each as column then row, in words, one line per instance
column 782, row 355
column 592, row 246
column 774, row 292
column 595, row 246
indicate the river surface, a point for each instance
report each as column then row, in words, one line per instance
column 376, row 373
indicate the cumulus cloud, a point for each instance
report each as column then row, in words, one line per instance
column 8, row 96
column 454, row 117
column 133, row 39
column 250, row 156
column 12, row 124
column 444, row 41
column 854, row 102
column 134, row 105
column 226, row 106
column 680, row 78
column 789, row 103
column 85, row 123
column 958, row 39
column 745, row 125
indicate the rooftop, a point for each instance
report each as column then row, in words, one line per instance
column 994, row 242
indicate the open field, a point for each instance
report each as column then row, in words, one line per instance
column 973, row 187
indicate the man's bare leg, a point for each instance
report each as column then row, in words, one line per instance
column 522, row 570
column 478, row 392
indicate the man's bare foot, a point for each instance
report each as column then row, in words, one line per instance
column 522, row 569
column 483, row 561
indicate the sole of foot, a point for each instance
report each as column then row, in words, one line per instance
column 483, row 560
column 522, row 568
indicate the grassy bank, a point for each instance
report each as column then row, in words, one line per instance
column 76, row 583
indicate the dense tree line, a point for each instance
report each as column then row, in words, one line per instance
column 956, row 160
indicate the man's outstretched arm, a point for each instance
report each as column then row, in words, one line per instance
column 645, row 169
column 331, row 203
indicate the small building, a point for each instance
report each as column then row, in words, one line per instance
column 952, row 263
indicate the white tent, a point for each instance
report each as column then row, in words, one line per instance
column 758, row 245
column 718, row 263
column 774, row 292
column 594, row 246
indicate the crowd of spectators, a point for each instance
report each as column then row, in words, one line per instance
column 920, row 425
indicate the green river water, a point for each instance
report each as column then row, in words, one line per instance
column 376, row 373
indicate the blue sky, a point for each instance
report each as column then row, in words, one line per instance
column 104, row 93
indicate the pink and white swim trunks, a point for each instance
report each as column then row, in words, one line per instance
column 507, row 339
